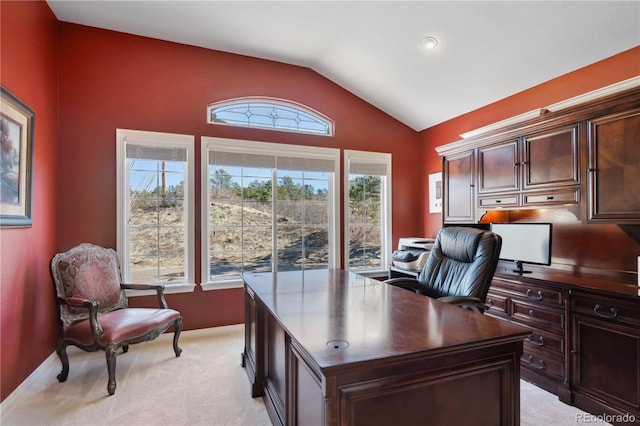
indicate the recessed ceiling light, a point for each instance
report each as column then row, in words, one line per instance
column 429, row 42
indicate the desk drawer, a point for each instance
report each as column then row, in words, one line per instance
column 498, row 305
column 538, row 317
column 541, row 364
column 531, row 293
column 570, row 196
column 503, row 201
column 607, row 308
column 543, row 341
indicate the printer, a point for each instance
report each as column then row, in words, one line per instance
column 412, row 253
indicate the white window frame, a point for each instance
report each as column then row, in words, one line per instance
column 256, row 147
column 168, row 140
column 367, row 157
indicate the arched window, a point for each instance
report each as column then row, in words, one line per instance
column 269, row 113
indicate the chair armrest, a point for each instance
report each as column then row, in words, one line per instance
column 78, row 302
column 93, row 307
column 159, row 288
column 471, row 303
column 404, row 282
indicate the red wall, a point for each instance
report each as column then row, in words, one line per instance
column 611, row 70
column 29, row 70
column 112, row 80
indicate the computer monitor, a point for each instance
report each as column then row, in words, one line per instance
column 524, row 243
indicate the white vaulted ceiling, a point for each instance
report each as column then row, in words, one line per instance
column 487, row 50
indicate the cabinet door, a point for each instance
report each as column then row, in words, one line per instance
column 606, row 364
column 551, row 158
column 459, row 193
column 614, row 168
column 498, row 167
column 605, row 344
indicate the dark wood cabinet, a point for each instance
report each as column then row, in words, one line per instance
column 605, row 349
column 459, row 190
column 537, row 169
column 614, row 167
column 589, row 152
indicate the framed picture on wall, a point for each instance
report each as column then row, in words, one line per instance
column 435, row 192
column 16, row 161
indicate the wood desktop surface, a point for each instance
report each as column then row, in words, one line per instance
column 321, row 309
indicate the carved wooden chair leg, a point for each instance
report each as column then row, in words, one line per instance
column 110, row 353
column 177, row 329
column 61, row 350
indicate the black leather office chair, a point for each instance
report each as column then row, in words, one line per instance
column 459, row 269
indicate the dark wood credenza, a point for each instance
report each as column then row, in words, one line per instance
column 329, row 347
column 585, row 340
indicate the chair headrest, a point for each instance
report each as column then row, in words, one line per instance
column 460, row 243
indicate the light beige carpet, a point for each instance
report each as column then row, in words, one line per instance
column 205, row 386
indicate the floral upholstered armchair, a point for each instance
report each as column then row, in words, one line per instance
column 93, row 310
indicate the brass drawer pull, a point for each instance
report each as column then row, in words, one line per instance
column 614, row 312
column 530, row 295
column 533, row 341
column 539, row 366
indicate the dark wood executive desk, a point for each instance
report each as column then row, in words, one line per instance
column 329, row 347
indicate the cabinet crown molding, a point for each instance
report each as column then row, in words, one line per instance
column 593, row 95
column 503, row 123
column 611, row 89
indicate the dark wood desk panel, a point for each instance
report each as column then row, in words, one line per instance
column 332, row 347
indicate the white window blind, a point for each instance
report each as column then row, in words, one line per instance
column 144, row 152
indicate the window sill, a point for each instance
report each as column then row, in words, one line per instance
column 168, row 289
column 221, row 285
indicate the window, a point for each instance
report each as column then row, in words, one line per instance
column 367, row 211
column 156, row 208
column 269, row 113
column 267, row 207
